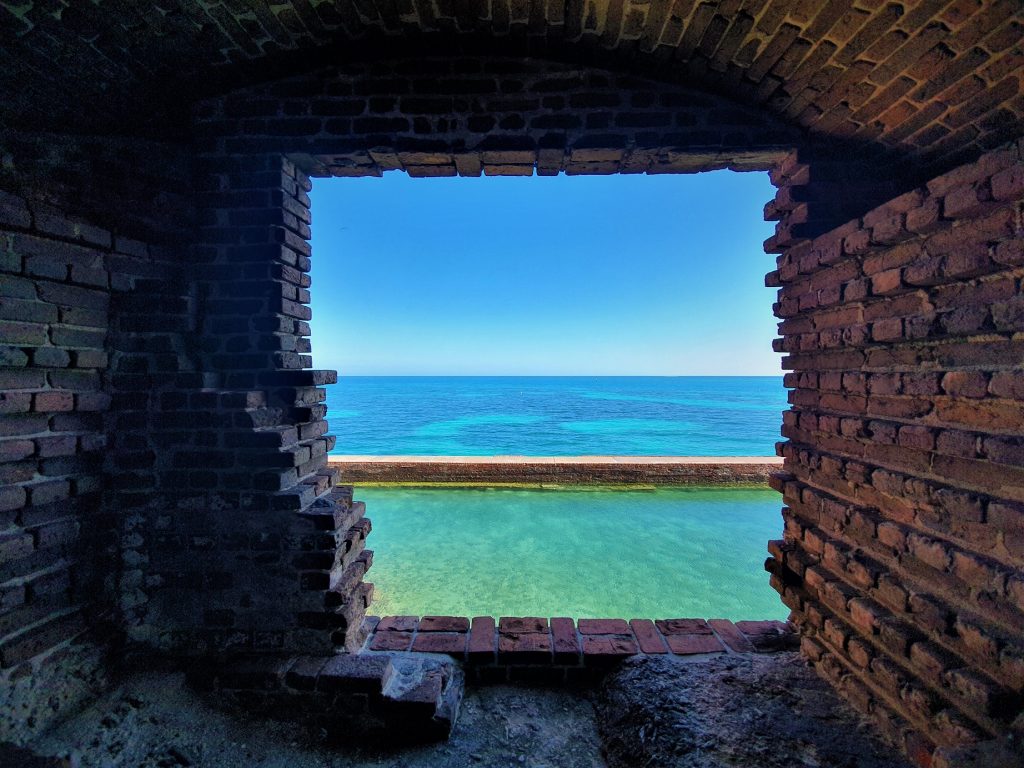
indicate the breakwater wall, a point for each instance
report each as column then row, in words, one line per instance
column 560, row 470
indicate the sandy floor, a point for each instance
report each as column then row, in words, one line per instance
column 721, row 712
column 154, row 721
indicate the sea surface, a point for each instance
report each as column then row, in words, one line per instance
column 597, row 553
column 557, row 416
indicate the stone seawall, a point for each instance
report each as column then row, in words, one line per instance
column 563, row 470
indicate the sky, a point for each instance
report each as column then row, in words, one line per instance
column 625, row 275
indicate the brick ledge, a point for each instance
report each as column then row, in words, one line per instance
column 566, row 470
column 561, row 649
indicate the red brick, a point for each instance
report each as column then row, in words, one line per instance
column 977, row 640
column 887, row 282
column 51, row 402
column 856, row 242
column 982, row 693
column 753, row 629
column 566, row 645
column 860, row 652
column 930, row 660
column 1008, row 184
column 12, row 497
column 965, row 383
column 961, row 201
column 524, row 648
column 1008, row 384
column 647, row 636
column 444, row 624
column 14, row 546
column 957, row 443
column 683, row 626
column 391, row 641
column 986, row 415
column 687, row 644
column 398, row 624
column 835, row 633
column 975, row 570
column 889, row 230
column 1008, row 518
column 48, row 492
column 924, row 219
column 865, row 614
column 895, row 636
column 1011, row 665
column 529, row 624
column 892, row 592
column 1009, row 252
column 13, row 450
column 602, row 649
column 887, row 330
column 920, row 438
column 452, row 643
column 929, row 551
column 481, row 639
column 59, row 445
column 730, row 634
column 603, row 627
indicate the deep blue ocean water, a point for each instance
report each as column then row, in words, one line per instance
column 557, row 416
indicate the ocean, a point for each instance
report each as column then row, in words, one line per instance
column 556, row 416
column 593, row 552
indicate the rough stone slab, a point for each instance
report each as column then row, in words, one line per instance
column 705, row 715
column 355, row 673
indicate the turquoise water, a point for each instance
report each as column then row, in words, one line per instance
column 687, row 552
column 557, row 416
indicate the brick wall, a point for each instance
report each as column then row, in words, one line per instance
column 164, row 446
column 70, row 291
column 238, row 539
column 470, row 115
column 938, row 82
column 235, row 539
column 904, row 464
column 58, row 543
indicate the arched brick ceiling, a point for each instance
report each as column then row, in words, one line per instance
column 935, row 81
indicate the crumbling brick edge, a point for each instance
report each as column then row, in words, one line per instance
column 408, row 677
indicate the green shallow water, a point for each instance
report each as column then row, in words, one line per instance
column 680, row 552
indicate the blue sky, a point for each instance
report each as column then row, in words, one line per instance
column 567, row 275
